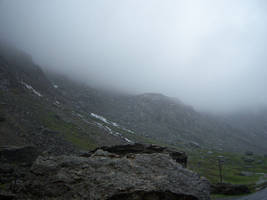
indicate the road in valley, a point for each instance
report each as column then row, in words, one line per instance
column 261, row 195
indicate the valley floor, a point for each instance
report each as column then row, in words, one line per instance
column 261, row 195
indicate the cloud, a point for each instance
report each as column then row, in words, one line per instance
column 210, row 54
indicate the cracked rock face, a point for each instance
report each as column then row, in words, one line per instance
column 136, row 148
column 105, row 176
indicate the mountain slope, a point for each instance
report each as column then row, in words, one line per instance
column 167, row 119
column 56, row 113
column 33, row 112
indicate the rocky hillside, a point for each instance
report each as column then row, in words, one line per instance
column 169, row 120
column 33, row 111
column 50, row 110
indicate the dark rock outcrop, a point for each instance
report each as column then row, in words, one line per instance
column 229, row 189
column 107, row 176
column 15, row 164
column 123, row 150
column 2, row 119
column 26, row 155
column 6, row 196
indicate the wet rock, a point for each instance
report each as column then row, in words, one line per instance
column 107, row 176
column 137, row 148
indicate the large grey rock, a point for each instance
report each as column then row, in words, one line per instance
column 138, row 148
column 105, row 176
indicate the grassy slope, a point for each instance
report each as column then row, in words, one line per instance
column 42, row 113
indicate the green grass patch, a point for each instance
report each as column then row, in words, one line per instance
column 207, row 165
column 69, row 131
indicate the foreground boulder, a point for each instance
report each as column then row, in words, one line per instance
column 107, row 176
column 130, row 149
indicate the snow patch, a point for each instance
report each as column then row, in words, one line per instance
column 129, row 141
column 129, row 131
column 103, row 119
column 108, row 129
column 117, row 134
column 29, row 87
column 79, row 115
column 100, row 125
column 114, row 124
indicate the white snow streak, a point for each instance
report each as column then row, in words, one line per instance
column 108, row 129
column 32, row 89
column 103, row 119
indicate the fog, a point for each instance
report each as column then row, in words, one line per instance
column 210, row 54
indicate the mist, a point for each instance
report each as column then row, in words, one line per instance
column 209, row 54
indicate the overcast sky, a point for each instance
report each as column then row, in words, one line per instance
column 211, row 54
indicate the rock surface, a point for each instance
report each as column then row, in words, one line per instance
column 107, row 176
column 122, row 150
